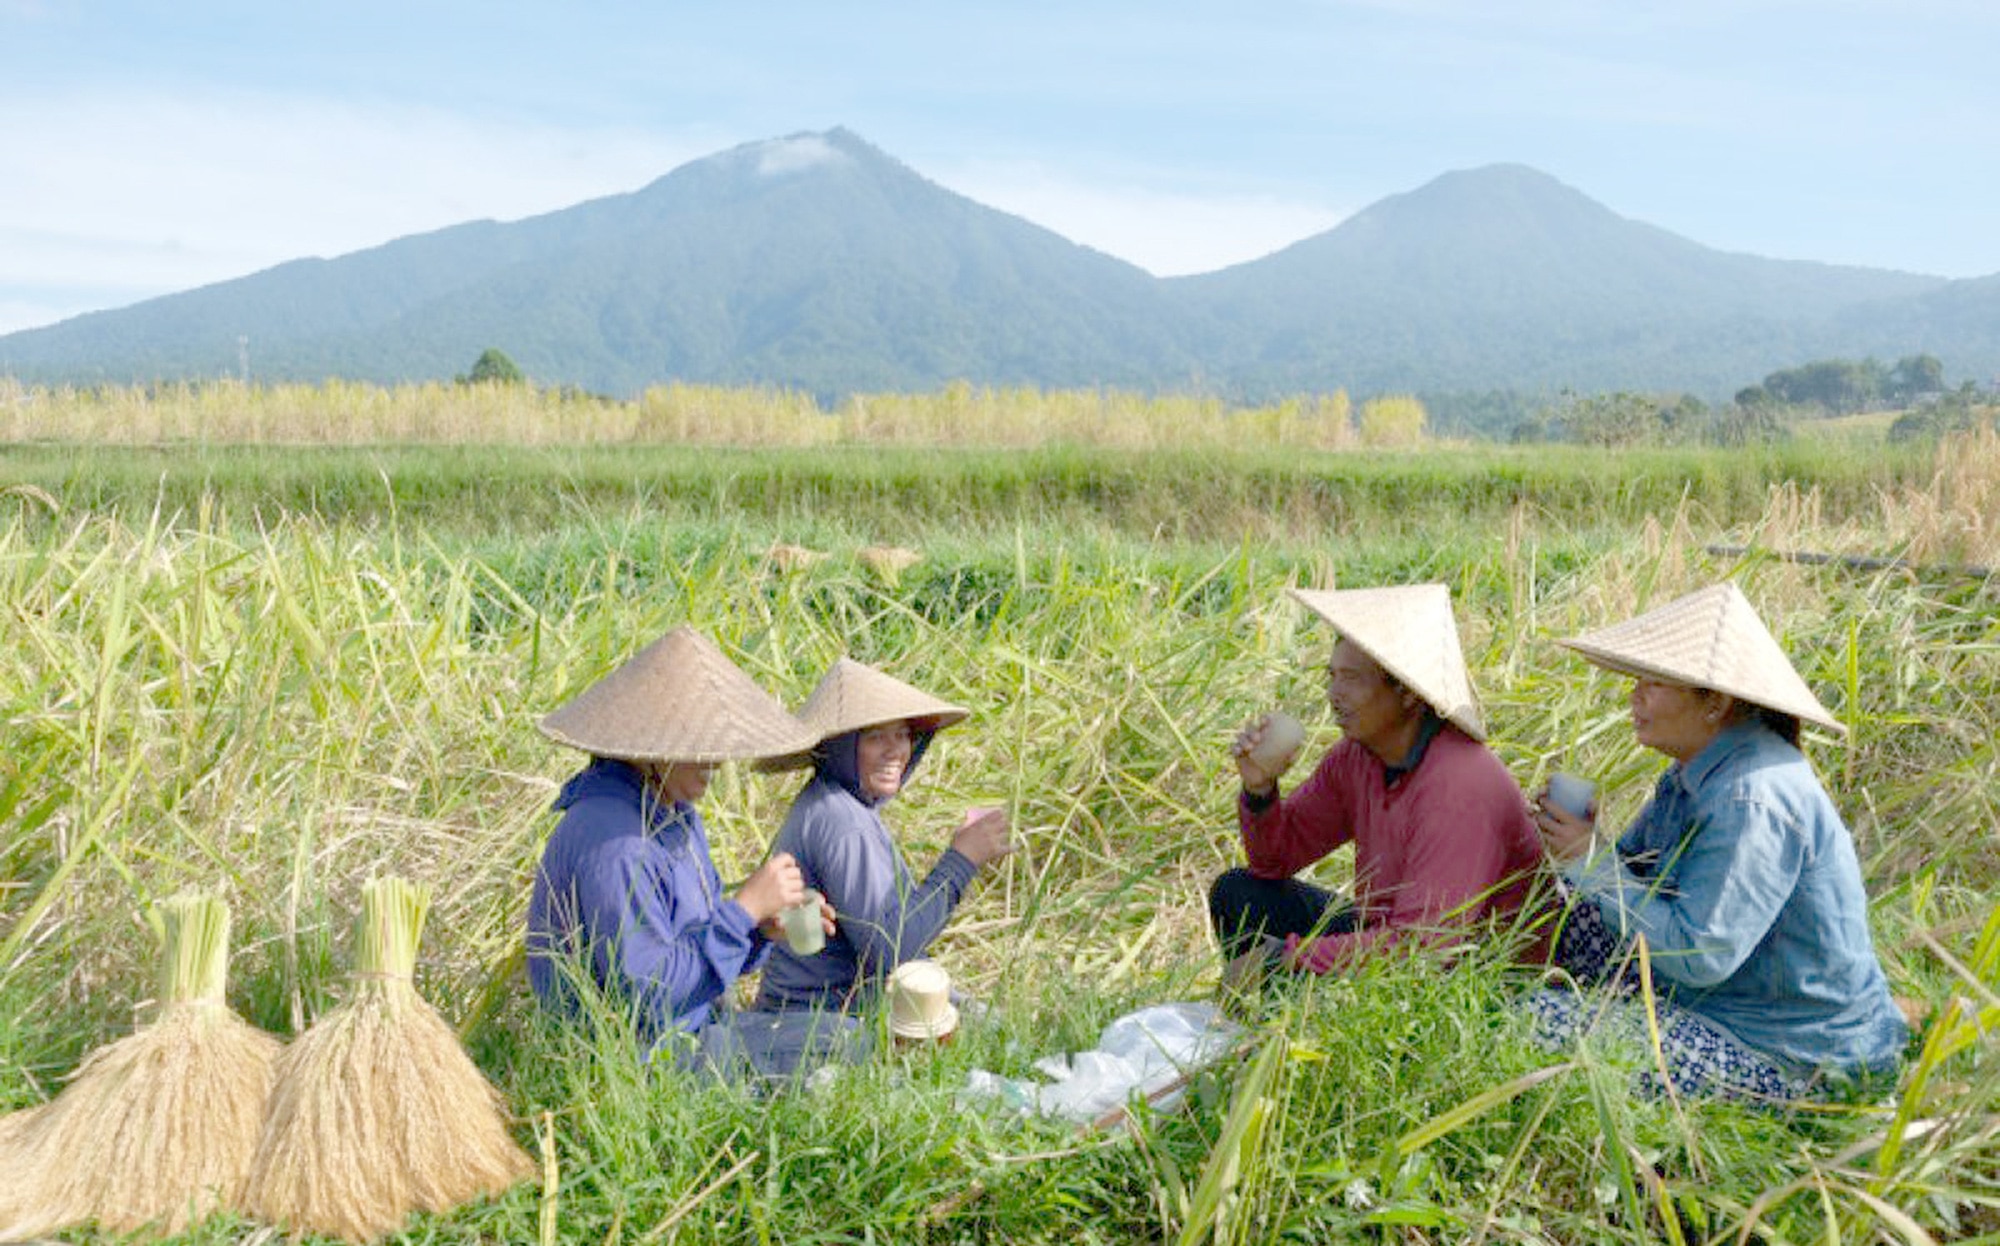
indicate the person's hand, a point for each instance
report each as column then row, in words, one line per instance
column 773, row 928
column 1260, row 778
column 1565, row 836
column 776, row 886
column 983, row 836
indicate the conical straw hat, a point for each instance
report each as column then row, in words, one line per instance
column 851, row 696
column 1710, row 639
column 1410, row 633
column 678, row 699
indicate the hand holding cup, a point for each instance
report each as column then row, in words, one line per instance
column 776, row 886
column 1264, row 750
column 1573, row 793
column 1566, row 816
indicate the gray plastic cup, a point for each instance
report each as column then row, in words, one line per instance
column 1572, row 793
column 805, row 934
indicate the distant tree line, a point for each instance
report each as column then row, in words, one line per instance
column 1765, row 412
column 1629, row 419
column 1845, row 386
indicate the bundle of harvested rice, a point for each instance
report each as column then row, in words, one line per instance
column 157, row 1129
column 12, row 1126
column 378, row 1111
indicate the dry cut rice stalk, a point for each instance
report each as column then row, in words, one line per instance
column 155, row 1130
column 378, row 1110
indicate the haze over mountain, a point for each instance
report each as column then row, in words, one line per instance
column 819, row 262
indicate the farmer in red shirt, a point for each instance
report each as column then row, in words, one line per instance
column 1440, row 829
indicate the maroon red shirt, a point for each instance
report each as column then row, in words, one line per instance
column 1447, row 843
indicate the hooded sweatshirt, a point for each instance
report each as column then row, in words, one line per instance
column 884, row 917
column 627, row 886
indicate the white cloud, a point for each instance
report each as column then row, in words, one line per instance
column 1167, row 233
column 792, row 155
column 163, row 193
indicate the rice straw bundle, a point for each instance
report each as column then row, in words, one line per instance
column 378, row 1111
column 157, row 1129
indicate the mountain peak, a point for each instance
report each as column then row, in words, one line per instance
column 1485, row 192
column 805, row 151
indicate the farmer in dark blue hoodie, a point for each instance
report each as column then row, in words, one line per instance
column 872, row 730
column 627, row 895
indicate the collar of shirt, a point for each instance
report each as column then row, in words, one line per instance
column 1733, row 739
column 1426, row 732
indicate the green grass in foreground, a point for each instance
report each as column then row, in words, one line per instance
column 280, row 708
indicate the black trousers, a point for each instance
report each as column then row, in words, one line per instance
column 1242, row 907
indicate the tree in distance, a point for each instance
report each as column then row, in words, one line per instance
column 494, row 367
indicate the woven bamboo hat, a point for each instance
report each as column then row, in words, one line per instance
column 1709, row 639
column 678, row 699
column 852, row 696
column 1410, row 633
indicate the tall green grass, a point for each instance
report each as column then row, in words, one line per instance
column 211, row 685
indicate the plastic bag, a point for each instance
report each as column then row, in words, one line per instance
column 1142, row 1052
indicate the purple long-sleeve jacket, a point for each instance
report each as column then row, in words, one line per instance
column 884, row 916
column 627, row 888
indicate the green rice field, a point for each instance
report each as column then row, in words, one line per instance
column 276, row 671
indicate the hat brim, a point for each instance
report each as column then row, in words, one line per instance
column 1628, row 667
column 946, row 1024
column 678, row 699
column 1711, row 638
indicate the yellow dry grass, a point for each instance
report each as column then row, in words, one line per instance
column 888, row 561
column 333, row 412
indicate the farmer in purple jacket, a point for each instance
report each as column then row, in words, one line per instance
column 872, row 731
column 627, row 897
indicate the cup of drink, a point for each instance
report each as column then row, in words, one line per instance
column 805, row 933
column 1572, row 793
column 1282, row 736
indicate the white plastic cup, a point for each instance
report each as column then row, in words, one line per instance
column 1572, row 793
column 1282, row 736
column 805, row 933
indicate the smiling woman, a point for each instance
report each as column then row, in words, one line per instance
column 873, row 731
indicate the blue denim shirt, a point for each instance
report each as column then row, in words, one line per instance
column 1744, row 881
column 627, row 881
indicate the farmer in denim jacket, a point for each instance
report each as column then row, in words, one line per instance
column 1739, row 874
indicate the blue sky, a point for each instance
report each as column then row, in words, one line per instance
column 149, row 148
